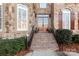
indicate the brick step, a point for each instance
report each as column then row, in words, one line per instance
column 43, row 41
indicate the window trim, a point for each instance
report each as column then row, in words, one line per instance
column 69, row 12
column 25, row 8
column 1, row 18
column 78, row 20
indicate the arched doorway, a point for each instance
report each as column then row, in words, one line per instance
column 42, row 22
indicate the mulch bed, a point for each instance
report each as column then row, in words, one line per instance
column 69, row 47
column 23, row 52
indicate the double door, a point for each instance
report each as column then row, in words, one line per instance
column 42, row 23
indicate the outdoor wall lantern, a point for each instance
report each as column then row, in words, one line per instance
column 49, row 15
column 33, row 13
column 27, row 37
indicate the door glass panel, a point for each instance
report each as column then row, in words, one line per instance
column 43, row 5
column 39, row 22
column 45, row 20
column 42, row 22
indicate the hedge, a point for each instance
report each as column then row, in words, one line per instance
column 63, row 36
column 12, row 46
column 75, row 38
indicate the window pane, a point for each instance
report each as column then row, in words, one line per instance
column 22, row 16
column 39, row 20
column 0, row 11
column 0, row 17
column 45, row 20
column 43, row 5
column 66, row 19
column 0, row 23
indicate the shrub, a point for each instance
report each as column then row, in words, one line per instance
column 58, row 36
column 12, row 46
column 63, row 36
column 50, row 30
column 19, row 44
column 75, row 38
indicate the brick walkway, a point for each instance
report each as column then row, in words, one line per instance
column 44, row 44
column 44, row 41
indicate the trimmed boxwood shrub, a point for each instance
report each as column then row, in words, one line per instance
column 75, row 38
column 63, row 36
column 58, row 36
column 12, row 46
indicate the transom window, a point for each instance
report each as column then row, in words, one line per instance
column 22, row 17
column 43, row 5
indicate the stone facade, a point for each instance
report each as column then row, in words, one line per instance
column 44, row 11
column 71, row 6
column 9, row 29
column 10, row 21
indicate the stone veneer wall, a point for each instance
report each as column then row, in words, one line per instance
column 31, row 17
column 60, row 6
column 44, row 11
column 10, row 21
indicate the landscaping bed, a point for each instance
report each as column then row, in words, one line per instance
column 23, row 52
column 70, row 47
column 66, row 41
column 10, row 47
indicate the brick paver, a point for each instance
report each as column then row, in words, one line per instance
column 44, row 41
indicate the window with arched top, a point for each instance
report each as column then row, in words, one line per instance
column 66, row 19
column 22, row 17
column 66, row 16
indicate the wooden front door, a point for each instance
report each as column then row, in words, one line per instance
column 42, row 23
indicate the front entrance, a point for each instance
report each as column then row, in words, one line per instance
column 42, row 21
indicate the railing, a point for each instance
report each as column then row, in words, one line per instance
column 30, row 37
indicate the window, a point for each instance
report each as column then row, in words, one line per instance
column 43, row 5
column 1, row 17
column 22, row 17
column 66, row 19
